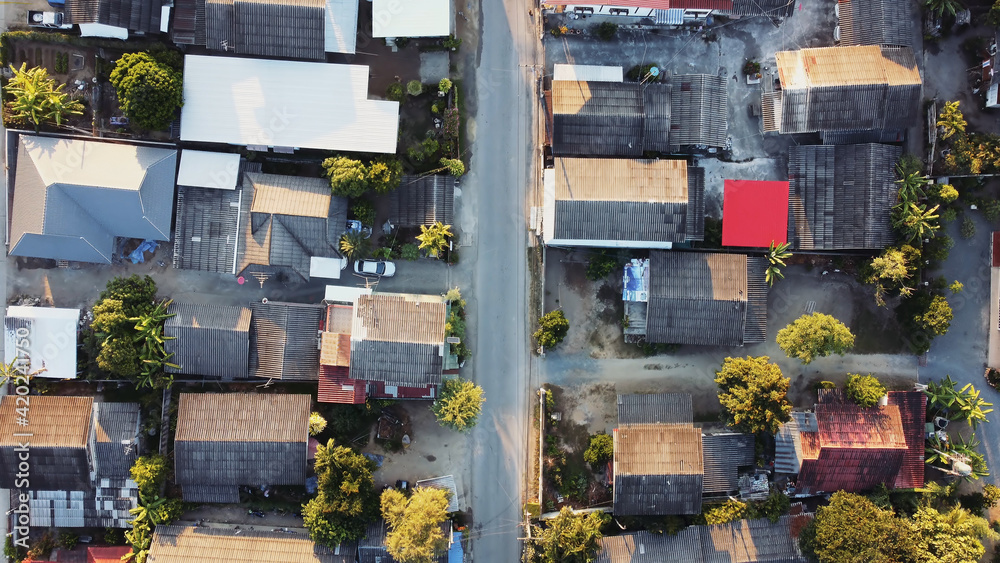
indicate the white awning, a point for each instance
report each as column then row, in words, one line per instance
column 345, row 294
column 203, row 169
column 587, row 73
column 341, row 29
column 412, row 18
column 42, row 338
column 101, row 30
column 670, row 16
column 329, row 268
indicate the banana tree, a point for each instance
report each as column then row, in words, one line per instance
column 942, row 394
column 968, row 405
column 776, row 255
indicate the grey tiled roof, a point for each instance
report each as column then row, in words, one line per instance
column 841, row 196
column 654, row 495
column 423, row 200
column 208, row 340
column 706, row 299
column 134, row 15
column 644, row 547
column 610, row 119
column 115, row 435
column 197, row 544
column 214, row 494
column 208, row 226
column 724, row 454
column 876, row 22
column 277, row 28
column 699, row 110
column 653, row 408
column 188, row 26
column 398, row 338
column 68, row 206
column 284, row 342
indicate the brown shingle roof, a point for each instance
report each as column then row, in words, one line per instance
column 242, row 417
column 52, row 421
column 386, row 317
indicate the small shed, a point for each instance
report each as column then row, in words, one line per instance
column 755, row 213
column 42, row 338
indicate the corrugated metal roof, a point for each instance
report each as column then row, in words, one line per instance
column 755, row 213
column 142, row 16
column 655, row 408
column 788, row 449
column 770, row 8
column 290, row 195
column 241, row 102
column 423, row 200
column 724, row 455
column 243, row 417
column 188, row 544
column 913, row 412
column 285, row 341
column 213, row 494
column 841, row 197
column 644, row 547
column 876, row 22
column 398, row 317
column 658, row 469
column 341, row 26
column 336, row 386
column 587, row 73
column 610, row 119
column 751, row 541
column 208, row 340
column 116, row 439
column 447, row 483
column 699, row 110
column 107, row 554
column 415, row 18
column 57, row 429
column 204, row 169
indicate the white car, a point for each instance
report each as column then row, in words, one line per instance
column 378, row 268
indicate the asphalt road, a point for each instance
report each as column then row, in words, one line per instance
column 501, row 168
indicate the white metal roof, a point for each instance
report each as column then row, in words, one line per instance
column 42, row 337
column 587, row 73
column 329, row 268
column 101, row 30
column 203, row 169
column 412, row 18
column 341, row 26
column 345, row 294
column 272, row 103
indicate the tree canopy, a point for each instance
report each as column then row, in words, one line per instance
column 864, row 390
column 38, row 98
column 150, row 472
column 552, row 328
column 600, row 450
column 415, row 534
column 815, row 336
column 434, row 239
column 119, row 308
column 346, row 499
column 459, row 405
column 352, row 178
column 149, row 92
column 936, row 319
column 753, row 394
column 570, row 538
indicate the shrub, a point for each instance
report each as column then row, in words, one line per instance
column 364, row 211
column 946, row 193
column 395, row 92
column 602, row 447
column 607, row 31
column 409, row 252
column 552, row 329
column 968, row 229
column 436, row 107
column 949, row 214
column 444, row 86
column 864, row 390
column 452, row 122
column 454, row 166
column 601, row 265
column 452, row 43
column 150, row 472
column 826, row 385
column 317, row 424
column 149, row 92
column 414, row 88
column 956, row 287
column 938, row 248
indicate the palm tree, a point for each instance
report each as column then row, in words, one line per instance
column 776, row 255
column 434, row 238
column 152, row 355
column 911, row 187
column 354, row 246
column 38, row 98
column 951, row 120
column 940, row 7
column 915, row 221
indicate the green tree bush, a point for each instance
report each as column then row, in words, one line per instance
column 552, row 329
column 600, row 450
column 444, row 86
column 936, row 319
column 864, row 390
column 395, row 92
column 354, row 246
column 384, row 174
column 415, row 534
column 946, row 193
column 38, row 98
column 454, row 166
column 459, row 405
column 317, row 424
column 570, row 538
column 150, row 473
column 363, row 211
column 409, row 252
column 968, row 228
column 601, row 264
column 753, row 394
column 414, row 88
column 434, row 239
column 348, row 177
column 950, row 120
column 116, row 312
column 149, row 92
column 607, row 30
column 346, row 500
column 815, row 336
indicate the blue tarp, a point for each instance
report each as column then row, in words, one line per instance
column 147, row 245
column 635, row 282
column 378, row 459
column 455, row 553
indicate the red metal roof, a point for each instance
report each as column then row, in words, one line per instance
column 754, row 213
column 336, row 386
column 913, row 411
column 107, row 554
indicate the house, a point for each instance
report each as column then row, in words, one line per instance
column 41, row 341
column 115, row 18
column 742, row 541
column 623, row 203
column 73, row 198
column 423, row 200
column 841, row 197
column 208, row 340
column 272, row 28
column 209, row 197
column 755, row 213
column 81, row 453
column 390, row 344
column 725, row 456
column 700, row 298
column 285, row 221
column 107, row 554
column 844, row 92
column 632, row 119
column 841, row 446
column 225, row 440
column 875, row 22
column 284, row 340
column 331, row 112
column 196, row 543
column 415, row 18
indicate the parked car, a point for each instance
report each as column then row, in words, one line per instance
column 379, row 268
